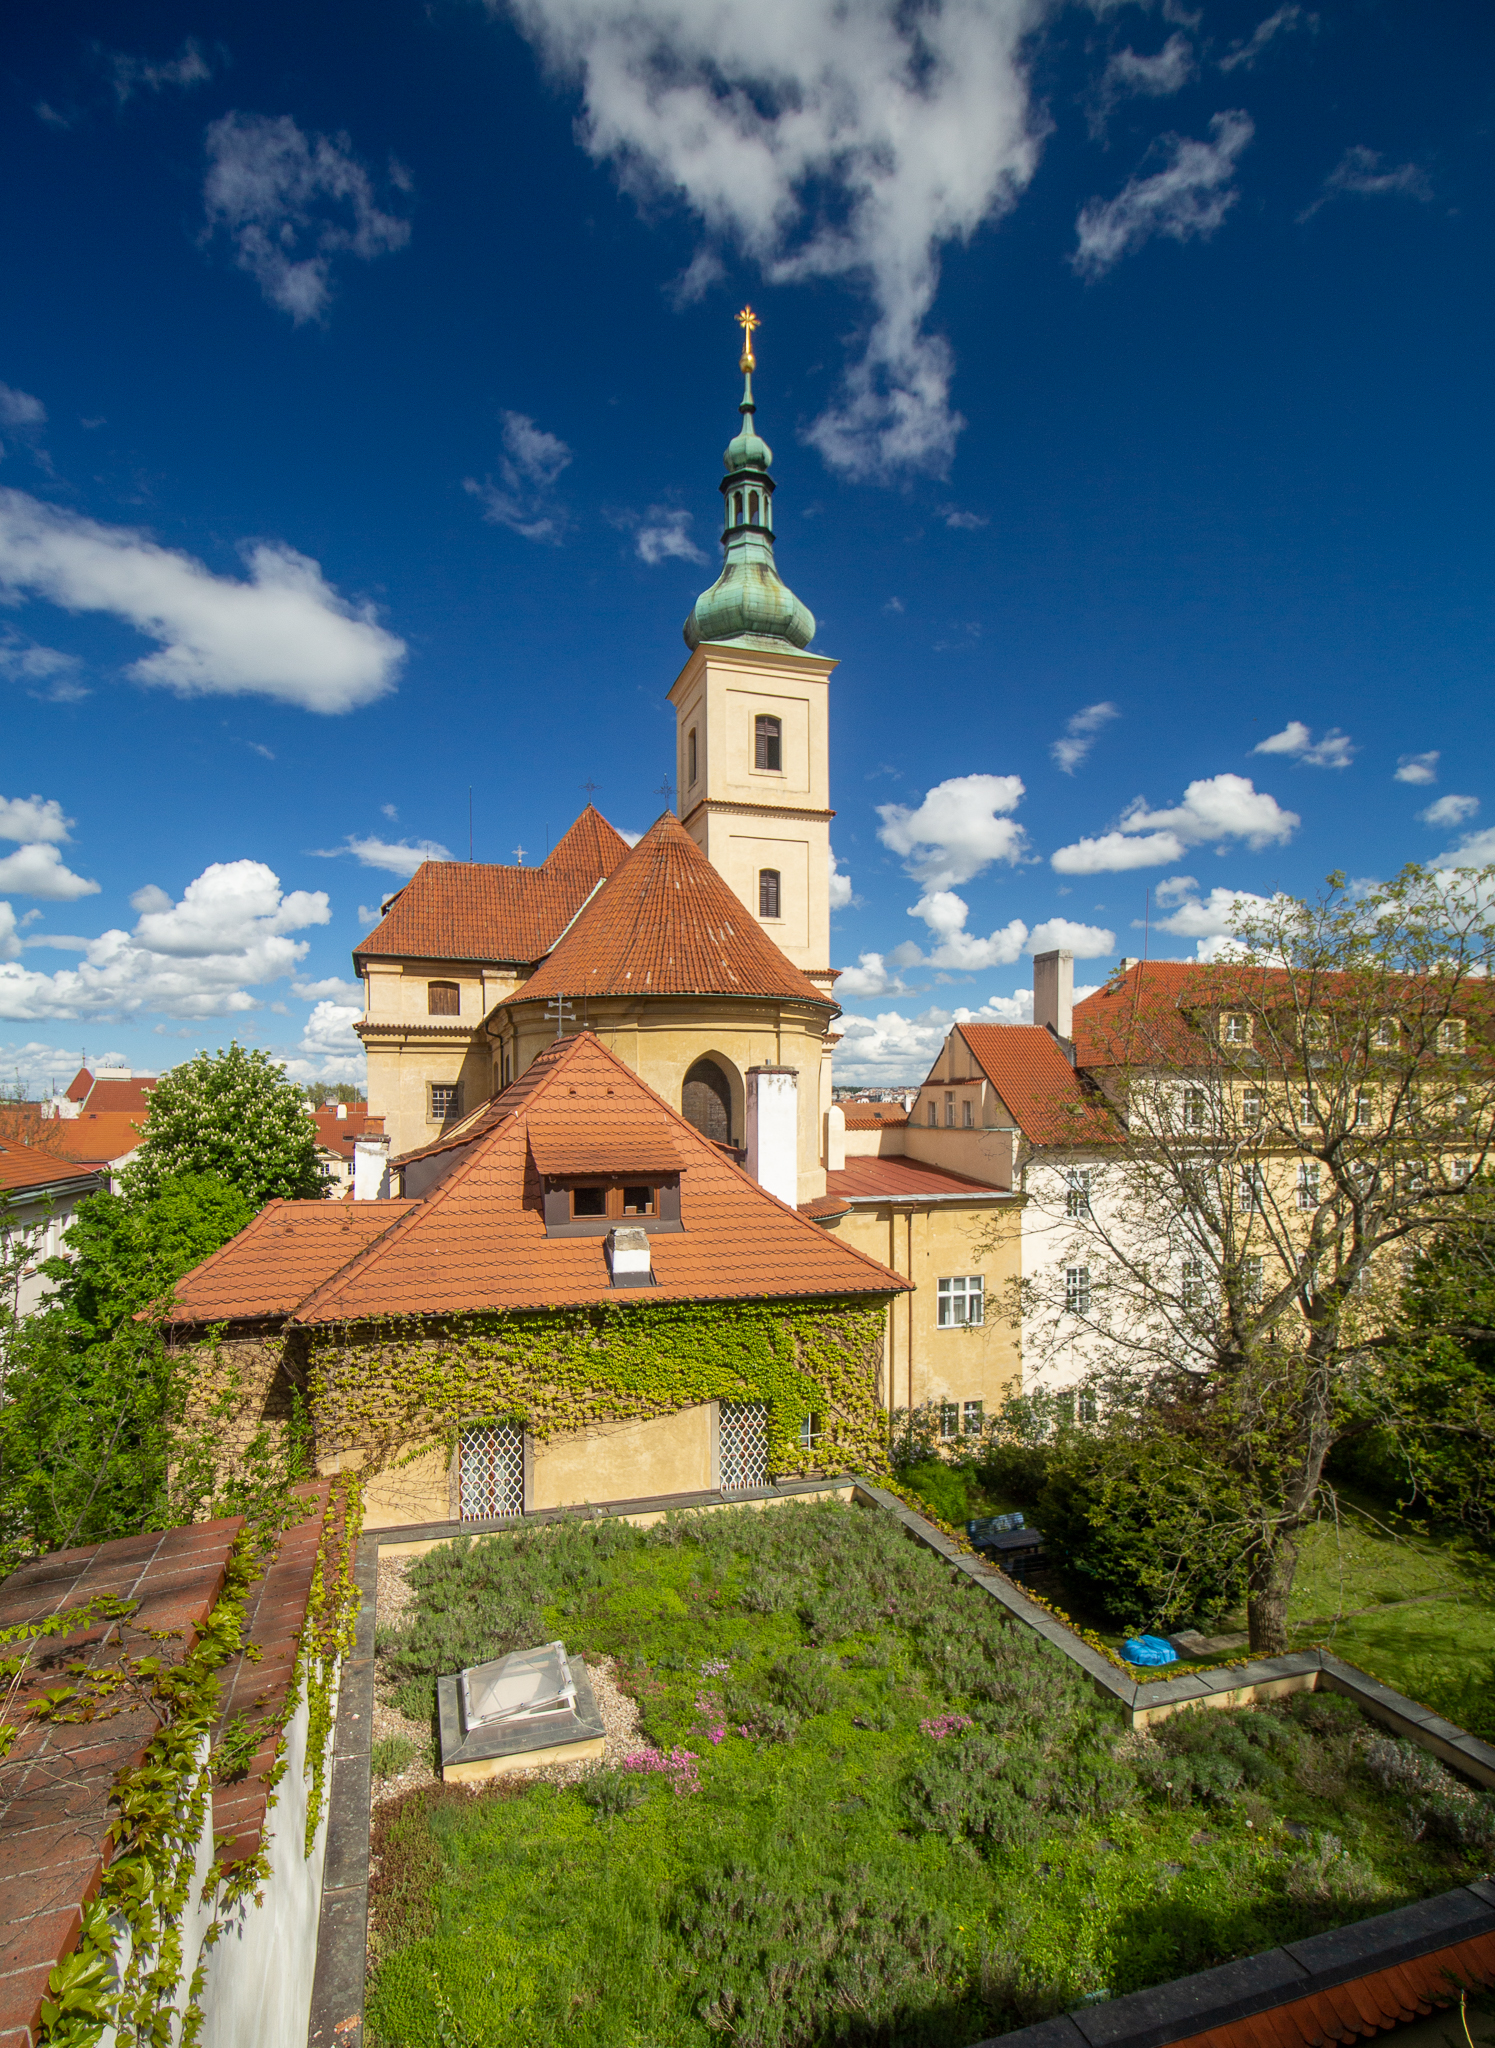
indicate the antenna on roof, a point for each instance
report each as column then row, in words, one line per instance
column 1146, row 917
column 561, row 1011
column 469, row 823
column 666, row 789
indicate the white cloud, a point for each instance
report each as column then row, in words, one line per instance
column 532, row 462
column 1190, row 196
column 956, row 832
column 663, row 534
column 1417, row 768
column 1174, row 890
column 329, row 1032
column 20, row 409
column 10, row 943
column 1285, row 19
column 39, row 1067
column 840, row 885
column 1217, row 808
column 284, row 634
column 1013, row 1009
column 963, row 522
column 130, row 75
column 890, row 1047
column 290, row 204
column 1450, row 810
column 1128, row 75
column 1332, row 751
column 195, row 958
column 399, row 856
column 1079, row 736
column 1361, row 174
column 1209, row 917
column 945, row 913
column 32, row 817
column 1085, row 941
column 827, row 141
column 870, row 977
column 40, row 871
column 332, row 990
column 1474, row 850
column 24, row 658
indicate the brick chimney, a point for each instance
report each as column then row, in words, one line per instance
column 773, row 1130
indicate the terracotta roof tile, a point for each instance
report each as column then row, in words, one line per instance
column 1049, row 1102
column 336, row 1133
column 275, row 1261
column 23, row 1167
column 624, row 1144
column 98, row 1136
column 477, row 1241
column 133, row 1097
column 902, row 1180
column 478, row 910
column 873, row 1116
column 666, row 923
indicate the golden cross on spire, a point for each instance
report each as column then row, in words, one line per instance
column 747, row 320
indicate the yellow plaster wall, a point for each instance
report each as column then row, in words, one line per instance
column 399, row 1074
column 418, row 1492
column 624, row 1461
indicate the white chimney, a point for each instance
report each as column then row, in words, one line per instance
column 371, row 1169
column 342, row 1111
column 835, row 1138
column 773, row 1130
column 1054, row 992
column 628, row 1257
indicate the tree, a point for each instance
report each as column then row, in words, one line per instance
column 1303, row 1119
column 232, row 1114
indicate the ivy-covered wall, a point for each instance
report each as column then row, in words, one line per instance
column 383, row 1393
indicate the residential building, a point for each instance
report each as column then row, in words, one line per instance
column 340, row 1126
column 39, row 1195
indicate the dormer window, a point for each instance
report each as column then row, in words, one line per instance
column 633, row 1200
column 591, row 1205
column 768, row 744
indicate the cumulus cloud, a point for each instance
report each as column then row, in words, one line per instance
column 1361, row 174
column 1474, row 850
column 130, row 75
column 1186, row 199
column 1244, row 54
column 1417, row 768
column 289, row 204
column 663, row 535
column 1334, row 750
column 40, row 871
column 399, row 856
column 945, row 913
column 956, row 831
column 198, row 957
column 1450, row 810
column 1128, row 75
column 840, row 885
column 890, row 1047
column 329, row 1034
column 33, row 817
column 332, row 990
column 20, row 409
column 870, row 977
column 1220, row 807
column 524, row 500
column 285, row 633
column 1209, row 917
column 1085, row 941
column 1079, row 736
column 826, row 141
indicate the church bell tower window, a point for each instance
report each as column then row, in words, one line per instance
column 768, row 892
column 768, row 748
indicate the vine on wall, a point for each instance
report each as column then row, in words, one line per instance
column 394, row 1388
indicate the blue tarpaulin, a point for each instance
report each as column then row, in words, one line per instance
column 1148, row 1650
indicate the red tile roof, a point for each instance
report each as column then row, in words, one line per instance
column 477, row 910
column 477, row 1240
column 277, row 1260
column 1049, row 1102
column 23, row 1167
column 666, row 923
column 78, row 1087
column 133, row 1097
column 623, row 1144
column 873, row 1116
column 336, row 1133
column 98, row 1136
column 1364, row 2006
column 902, row 1180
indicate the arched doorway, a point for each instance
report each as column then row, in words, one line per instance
column 706, row 1101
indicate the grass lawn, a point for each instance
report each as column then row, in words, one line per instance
column 901, row 1816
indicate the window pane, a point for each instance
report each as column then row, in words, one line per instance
column 490, row 1471
column 1077, row 1290
column 768, row 747
column 972, row 1416
column 768, row 892
column 443, row 1100
column 638, row 1201
column 949, row 1419
column 589, row 1201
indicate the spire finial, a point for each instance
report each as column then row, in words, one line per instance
column 747, row 320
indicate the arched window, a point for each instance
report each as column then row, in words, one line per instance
column 690, row 758
column 768, row 892
column 737, row 515
column 706, row 1102
column 443, row 999
column 752, row 508
column 768, row 743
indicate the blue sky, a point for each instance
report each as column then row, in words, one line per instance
column 363, row 380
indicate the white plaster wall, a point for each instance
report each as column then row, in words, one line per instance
column 1051, row 1241
column 258, row 1977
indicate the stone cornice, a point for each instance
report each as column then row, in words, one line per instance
column 712, row 803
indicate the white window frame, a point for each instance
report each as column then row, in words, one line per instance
column 1452, row 1035
column 1309, row 1182
column 454, row 1107
column 972, row 1417
column 1077, row 1191
column 961, row 1302
column 1077, row 1290
column 1235, row 1028
column 1194, row 1291
column 1196, row 1107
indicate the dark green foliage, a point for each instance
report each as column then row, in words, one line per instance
column 1212, row 1758
column 1015, row 1469
column 801, row 1684
column 611, row 1792
column 1325, row 1713
column 390, row 1755
column 951, row 1490
column 127, row 1251
column 233, row 1114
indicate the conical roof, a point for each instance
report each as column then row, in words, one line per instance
column 665, row 923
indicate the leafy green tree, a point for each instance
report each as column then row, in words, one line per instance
column 233, row 1114
column 128, row 1250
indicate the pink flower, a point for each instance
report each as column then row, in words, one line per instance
column 716, row 1735
column 945, row 1724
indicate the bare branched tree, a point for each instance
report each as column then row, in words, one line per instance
column 1302, row 1118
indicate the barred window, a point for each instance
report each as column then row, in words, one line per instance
column 490, row 1471
column 1308, row 1183
column 962, row 1301
column 768, row 892
column 768, row 744
column 742, row 1444
column 972, row 1417
column 444, row 1096
column 1077, row 1290
column 1077, row 1191
column 443, row 999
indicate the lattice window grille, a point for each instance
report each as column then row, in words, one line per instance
column 742, row 1444
column 490, row 1471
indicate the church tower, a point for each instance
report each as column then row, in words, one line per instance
column 751, row 717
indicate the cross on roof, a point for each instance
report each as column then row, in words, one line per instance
column 747, row 320
column 519, row 855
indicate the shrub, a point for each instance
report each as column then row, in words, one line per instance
column 391, row 1754
column 801, row 1683
column 1212, row 1759
column 946, row 1489
column 610, row 1792
column 1325, row 1713
column 1329, row 1876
